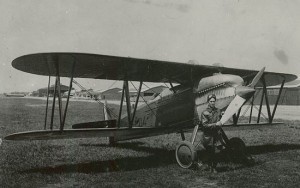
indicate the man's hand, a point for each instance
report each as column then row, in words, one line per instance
column 218, row 123
column 222, row 113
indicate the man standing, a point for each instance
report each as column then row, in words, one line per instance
column 210, row 120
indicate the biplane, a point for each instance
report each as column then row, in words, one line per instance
column 174, row 110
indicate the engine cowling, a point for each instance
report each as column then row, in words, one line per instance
column 218, row 79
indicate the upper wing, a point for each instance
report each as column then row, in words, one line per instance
column 121, row 68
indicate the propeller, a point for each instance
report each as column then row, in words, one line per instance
column 257, row 78
column 243, row 93
column 233, row 107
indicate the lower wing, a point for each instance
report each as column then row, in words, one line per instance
column 118, row 133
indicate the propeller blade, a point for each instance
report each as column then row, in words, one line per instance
column 245, row 92
column 242, row 94
column 257, row 78
column 233, row 107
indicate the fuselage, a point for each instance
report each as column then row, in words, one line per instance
column 179, row 106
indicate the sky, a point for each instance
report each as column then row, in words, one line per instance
column 234, row 33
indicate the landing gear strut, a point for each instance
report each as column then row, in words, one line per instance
column 235, row 149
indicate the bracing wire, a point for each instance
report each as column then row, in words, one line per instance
column 112, row 84
column 143, row 99
column 249, row 105
column 96, row 99
column 261, row 112
column 151, row 89
column 243, row 115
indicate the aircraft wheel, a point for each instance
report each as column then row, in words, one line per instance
column 238, row 149
column 185, row 154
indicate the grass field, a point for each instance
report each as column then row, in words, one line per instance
column 147, row 162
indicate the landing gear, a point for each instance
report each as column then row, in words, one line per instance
column 235, row 149
column 238, row 152
column 185, row 154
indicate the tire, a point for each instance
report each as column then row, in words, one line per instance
column 185, row 154
column 237, row 150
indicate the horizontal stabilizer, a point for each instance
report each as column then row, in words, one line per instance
column 96, row 124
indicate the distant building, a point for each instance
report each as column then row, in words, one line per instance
column 72, row 93
column 43, row 91
column 34, row 94
column 146, row 94
column 290, row 94
column 87, row 94
column 112, row 94
column 16, row 94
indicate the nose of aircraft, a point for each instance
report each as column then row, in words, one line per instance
column 244, row 91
